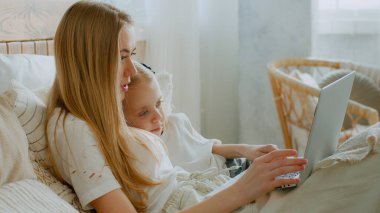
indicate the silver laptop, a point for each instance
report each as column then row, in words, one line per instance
column 327, row 123
column 325, row 130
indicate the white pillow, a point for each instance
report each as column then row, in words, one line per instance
column 31, row 195
column 37, row 72
column 30, row 111
column 302, row 103
column 166, row 85
column 33, row 71
column 304, row 106
column 306, row 78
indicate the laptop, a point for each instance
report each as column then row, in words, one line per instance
column 327, row 123
column 325, row 129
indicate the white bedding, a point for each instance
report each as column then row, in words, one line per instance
column 338, row 187
column 31, row 196
column 348, row 181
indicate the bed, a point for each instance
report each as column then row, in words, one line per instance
column 27, row 71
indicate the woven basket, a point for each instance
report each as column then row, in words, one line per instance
column 294, row 99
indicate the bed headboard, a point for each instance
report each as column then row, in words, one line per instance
column 45, row 46
column 32, row 46
column 29, row 26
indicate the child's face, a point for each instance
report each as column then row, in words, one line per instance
column 143, row 109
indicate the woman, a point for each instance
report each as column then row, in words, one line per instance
column 92, row 148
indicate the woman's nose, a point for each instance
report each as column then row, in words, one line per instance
column 129, row 68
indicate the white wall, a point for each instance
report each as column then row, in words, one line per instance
column 268, row 30
column 219, row 69
column 364, row 49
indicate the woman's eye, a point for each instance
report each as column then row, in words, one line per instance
column 133, row 53
column 122, row 58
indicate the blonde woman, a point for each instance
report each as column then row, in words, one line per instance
column 114, row 168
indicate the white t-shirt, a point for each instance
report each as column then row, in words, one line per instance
column 82, row 165
column 187, row 148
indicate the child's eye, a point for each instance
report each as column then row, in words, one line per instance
column 143, row 113
column 159, row 103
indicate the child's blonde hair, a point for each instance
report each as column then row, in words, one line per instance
column 86, row 85
column 143, row 75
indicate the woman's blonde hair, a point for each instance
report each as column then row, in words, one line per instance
column 87, row 59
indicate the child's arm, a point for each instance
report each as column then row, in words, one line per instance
column 250, row 152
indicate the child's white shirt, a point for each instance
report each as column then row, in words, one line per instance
column 82, row 165
column 187, row 148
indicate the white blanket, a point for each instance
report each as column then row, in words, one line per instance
column 348, row 181
column 14, row 160
column 31, row 196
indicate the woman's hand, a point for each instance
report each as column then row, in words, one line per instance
column 261, row 177
column 252, row 152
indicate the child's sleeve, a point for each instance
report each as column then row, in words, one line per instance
column 187, row 148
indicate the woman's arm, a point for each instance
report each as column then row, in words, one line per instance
column 259, row 179
column 250, row 152
column 114, row 201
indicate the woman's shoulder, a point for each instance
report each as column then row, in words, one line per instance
column 60, row 118
column 68, row 126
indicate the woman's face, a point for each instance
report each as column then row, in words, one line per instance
column 127, row 47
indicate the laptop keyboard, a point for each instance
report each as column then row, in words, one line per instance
column 288, row 176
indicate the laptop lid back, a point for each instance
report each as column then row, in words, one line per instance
column 327, row 123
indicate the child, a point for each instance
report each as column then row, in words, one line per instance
column 186, row 147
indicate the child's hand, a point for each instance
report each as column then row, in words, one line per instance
column 252, row 152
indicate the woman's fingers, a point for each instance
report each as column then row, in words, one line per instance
column 286, row 169
column 277, row 154
column 280, row 163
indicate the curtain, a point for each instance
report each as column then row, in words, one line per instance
column 347, row 30
column 172, row 36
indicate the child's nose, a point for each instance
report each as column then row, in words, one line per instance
column 157, row 116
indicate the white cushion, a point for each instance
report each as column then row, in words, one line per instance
column 30, row 111
column 31, row 196
column 14, row 161
column 304, row 105
column 166, row 85
column 33, row 71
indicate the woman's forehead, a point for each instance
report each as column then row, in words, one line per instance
column 127, row 38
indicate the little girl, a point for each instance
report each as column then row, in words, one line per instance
column 186, row 147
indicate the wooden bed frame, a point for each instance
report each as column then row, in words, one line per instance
column 44, row 46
